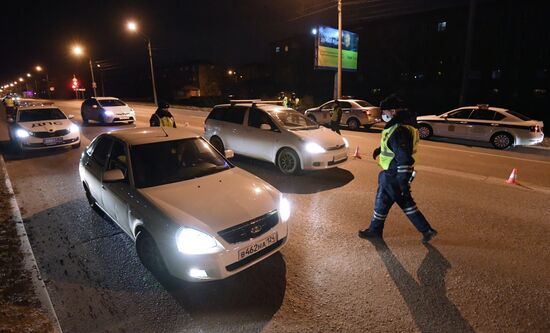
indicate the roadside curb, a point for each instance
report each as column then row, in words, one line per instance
column 29, row 261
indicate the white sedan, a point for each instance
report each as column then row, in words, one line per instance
column 42, row 127
column 106, row 110
column 191, row 213
column 276, row 134
column 501, row 127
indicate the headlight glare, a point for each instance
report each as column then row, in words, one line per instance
column 73, row 128
column 109, row 113
column 284, row 208
column 21, row 133
column 191, row 241
column 346, row 142
column 314, row 148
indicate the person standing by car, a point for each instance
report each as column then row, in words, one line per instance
column 397, row 158
column 162, row 117
column 9, row 103
column 336, row 117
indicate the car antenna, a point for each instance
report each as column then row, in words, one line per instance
column 165, row 134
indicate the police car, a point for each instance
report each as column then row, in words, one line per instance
column 41, row 127
column 503, row 128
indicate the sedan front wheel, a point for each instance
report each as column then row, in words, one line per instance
column 288, row 162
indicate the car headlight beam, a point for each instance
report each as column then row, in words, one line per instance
column 191, row 241
column 314, row 148
column 346, row 142
column 284, row 208
column 109, row 113
column 21, row 133
column 74, row 128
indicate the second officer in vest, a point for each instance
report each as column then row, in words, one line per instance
column 162, row 117
column 397, row 157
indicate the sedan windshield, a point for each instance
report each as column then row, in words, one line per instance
column 40, row 114
column 293, row 120
column 111, row 102
column 363, row 104
column 168, row 162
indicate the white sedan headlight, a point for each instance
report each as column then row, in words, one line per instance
column 191, row 241
column 284, row 208
column 21, row 133
column 314, row 148
column 346, row 142
column 109, row 113
column 73, row 128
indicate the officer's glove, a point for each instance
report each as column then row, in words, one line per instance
column 376, row 152
column 403, row 182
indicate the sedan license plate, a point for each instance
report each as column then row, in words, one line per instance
column 258, row 246
column 53, row 141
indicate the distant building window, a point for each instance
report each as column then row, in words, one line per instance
column 442, row 26
column 496, row 74
column 376, row 91
column 539, row 92
column 277, row 49
column 286, row 48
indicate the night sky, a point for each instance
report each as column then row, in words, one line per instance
column 229, row 32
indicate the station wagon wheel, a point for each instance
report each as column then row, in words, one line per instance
column 218, row 144
column 288, row 161
column 149, row 255
column 502, row 140
column 353, row 124
column 425, row 131
column 84, row 119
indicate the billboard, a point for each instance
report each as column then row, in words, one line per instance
column 326, row 49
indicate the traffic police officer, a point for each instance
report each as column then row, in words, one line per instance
column 336, row 117
column 162, row 117
column 397, row 157
column 10, row 106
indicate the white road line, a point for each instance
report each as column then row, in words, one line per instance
column 470, row 152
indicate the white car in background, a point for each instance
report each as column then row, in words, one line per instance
column 355, row 113
column 106, row 110
column 191, row 213
column 276, row 134
column 42, row 127
column 503, row 128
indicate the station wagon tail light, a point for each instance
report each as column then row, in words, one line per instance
column 535, row 129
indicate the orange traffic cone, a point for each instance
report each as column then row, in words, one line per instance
column 513, row 179
column 356, row 155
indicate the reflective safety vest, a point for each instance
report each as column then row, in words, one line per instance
column 386, row 154
column 336, row 114
column 9, row 102
column 166, row 121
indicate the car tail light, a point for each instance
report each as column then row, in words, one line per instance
column 535, row 129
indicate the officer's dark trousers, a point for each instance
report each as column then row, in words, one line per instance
column 335, row 126
column 389, row 193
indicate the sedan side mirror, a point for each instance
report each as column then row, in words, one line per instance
column 265, row 127
column 70, row 116
column 113, row 176
column 229, row 153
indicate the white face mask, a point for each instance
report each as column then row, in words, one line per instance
column 386, row 117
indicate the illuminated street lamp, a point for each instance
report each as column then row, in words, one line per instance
column 20, row 79
column 38, row 68
column 28, row 74
column 133, row 28
column 79, row 51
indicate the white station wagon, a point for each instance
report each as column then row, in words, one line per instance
column 276, row 134
column 191, row 213
column 501, row 127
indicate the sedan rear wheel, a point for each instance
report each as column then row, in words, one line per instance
column 502, row 140
column 353, row 124
column 288, row 162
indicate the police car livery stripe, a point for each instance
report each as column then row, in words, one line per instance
column 465, row 122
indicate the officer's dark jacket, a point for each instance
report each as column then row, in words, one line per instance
column 154, row 121
column 401, row 144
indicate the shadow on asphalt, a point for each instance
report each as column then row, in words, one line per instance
column 97, row 282
column 305, row 183
column 11, row 154
column 427, row 299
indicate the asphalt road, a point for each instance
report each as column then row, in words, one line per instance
column 487, row 270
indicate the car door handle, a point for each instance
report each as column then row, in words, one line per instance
column 493, row 124
column 463, row 122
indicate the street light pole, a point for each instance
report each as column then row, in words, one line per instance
column 339, row 78
column 93, row 79
column 152, row 71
